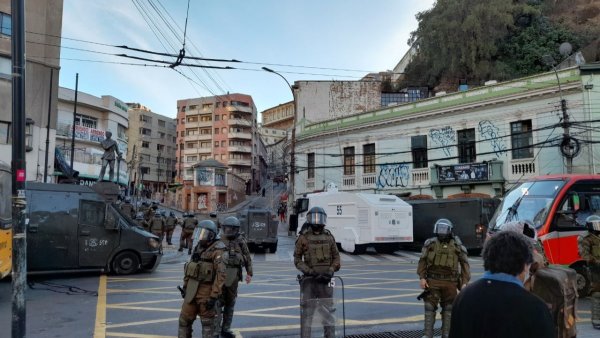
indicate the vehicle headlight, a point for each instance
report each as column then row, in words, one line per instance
column 153, row 243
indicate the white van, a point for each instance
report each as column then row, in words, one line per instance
column 359, row 220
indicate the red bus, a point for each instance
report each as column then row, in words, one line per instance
column 558, row 206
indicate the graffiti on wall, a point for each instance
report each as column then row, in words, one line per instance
column 393, row 175
column 488, row 131
column 445, row 137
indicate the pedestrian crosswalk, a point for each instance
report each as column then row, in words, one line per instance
column 397, row 257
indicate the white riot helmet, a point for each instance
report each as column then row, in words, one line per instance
column 443, row 228
column 593, row 223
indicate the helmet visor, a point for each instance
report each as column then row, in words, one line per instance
column 316, row 218
column 442, row 229
column 595, row 225
column 230, row 231
column 205, row 235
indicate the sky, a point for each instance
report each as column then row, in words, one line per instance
column 341, row 39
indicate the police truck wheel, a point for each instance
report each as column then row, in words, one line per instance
column 125, row 263
column 583, row 282
column 359, row 249
column 386, row 248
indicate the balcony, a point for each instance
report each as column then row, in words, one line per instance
column 310, row 184
column 190, row 151
column 348, row 182
column 522, row 169
column 240, row 135
column 239, row 149
column 420, row 176
column 201, row 124
column 198, row 137
column 240, row 161
column 239, row 109
column 204, row 150
column 368, row 180
column 240, row 122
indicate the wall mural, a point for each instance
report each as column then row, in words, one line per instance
column 445, row 137
column 393, row 175
column 488, row 131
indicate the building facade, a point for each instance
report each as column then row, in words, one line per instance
column 223, row 128
column 271, row 135
column 151, row 155
column 94, row 117
column 480, row 141
column 280, row 117
column 43, row 26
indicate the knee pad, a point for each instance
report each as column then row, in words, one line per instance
column 447, row 307
column 185, row 322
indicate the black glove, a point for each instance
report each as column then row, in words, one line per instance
column 311, row 273
column 324, row 277
column 182, row 290
column 210, row 303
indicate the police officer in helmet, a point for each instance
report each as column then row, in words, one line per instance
column 589, row 250
column 127, row 207
column 443, row 270
column 235, row 257
column 202, row 282
column 187, row 231
column 317, row 257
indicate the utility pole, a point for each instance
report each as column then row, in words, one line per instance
column 48, row 128
column 19, row 201
column 568, row 152
column 75, row 119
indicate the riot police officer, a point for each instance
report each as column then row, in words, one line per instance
column 203, row 282
column 170, row 224
column 589, row 250
column 127, row 207
column 187, row 231
column 149, row 214
column 157, row 225
column 443, row 270
column 139, row 219
column 317, row 257
column 235, row 257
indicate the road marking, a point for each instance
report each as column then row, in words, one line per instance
column 271, row 258
column 136, row 335
column 394, row 258
column 412, row 257
column 100, row 326
column 346, row 258
column 144, row 322
column 369, row 258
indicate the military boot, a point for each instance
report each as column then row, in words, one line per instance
column 208, row 328
column 446, row 314
column 596, row 310
column 329, row 331
column 227, row 319
column 428, row 325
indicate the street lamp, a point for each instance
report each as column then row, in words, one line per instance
column 291, row 195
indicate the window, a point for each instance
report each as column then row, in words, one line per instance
column 86, row 121
column 192, row 158
column 311, row 165
column 121, row 132
column 190, row 145
column 206, row 105
column 161, row 123
column 192, row 119
column 144, row 118
column 5, row 24
column 145, row 131
column 216, row 131
column 4, row 132
column 193, row 106
column 91, row 213
column 418, row 146
column 218, row 104
column 160, row 147
column 223, row 143
column 183, row 121
column 224, row 130
column 161, row 135
column 216, row 144
column 369, row 158
column 521, row 139
column 205, row 145
column 205, row 131
column 145, row 144
column 224, row 104
column 239, row 103
column 349, row 161
column 5, row 67
column 466, row 146
column 217, row 117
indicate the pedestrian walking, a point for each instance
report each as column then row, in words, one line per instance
column 187, row 231
column 170, row 224
column 589, row 250
column 202, row 282
column 235, row 257
column 497, row 305
column 443, row 269
column 317, row 257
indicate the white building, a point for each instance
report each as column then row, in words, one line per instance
column 95, row 116
column 479, row 141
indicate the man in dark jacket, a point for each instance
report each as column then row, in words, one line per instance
column 497, row 305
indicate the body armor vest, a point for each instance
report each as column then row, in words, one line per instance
column 443, row 256
column 156, row 224
column 201, row 270
column 171, row 221
column 319, row 253
column 595, row 246
column 233, row 259
column 189, row 224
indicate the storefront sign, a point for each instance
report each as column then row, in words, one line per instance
column 471, row 172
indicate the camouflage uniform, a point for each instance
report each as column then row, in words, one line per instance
column 187, row 231
column 315, row 254
column 171, row 222
column 235, row 257
column 157, row 226
column 439, row 265
column 589, row 250
column 203, row 284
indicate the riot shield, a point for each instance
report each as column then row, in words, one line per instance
column 322, row 312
